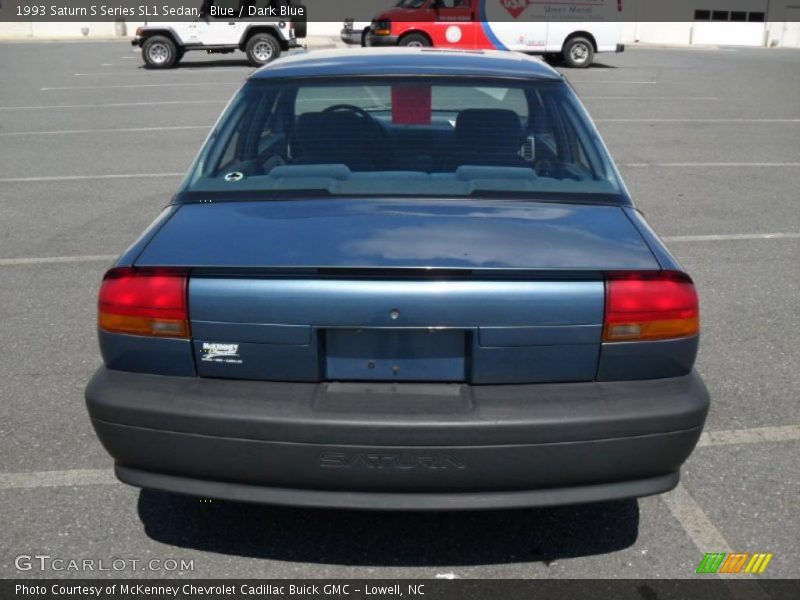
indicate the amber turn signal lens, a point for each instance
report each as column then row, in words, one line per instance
column 143, row 325
column 651, row 330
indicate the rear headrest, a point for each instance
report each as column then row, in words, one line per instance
column 326, row 132
column 492, row 127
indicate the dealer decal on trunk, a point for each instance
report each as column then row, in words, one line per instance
column 220, row 353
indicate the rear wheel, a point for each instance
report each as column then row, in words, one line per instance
column 415, row 40
column 159, row 52
column 578, row 53
column 261, row 49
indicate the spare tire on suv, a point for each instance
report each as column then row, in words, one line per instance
column 300, row 24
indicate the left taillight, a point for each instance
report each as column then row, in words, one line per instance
column 150, row 302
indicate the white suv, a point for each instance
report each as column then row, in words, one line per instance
column 163, row 44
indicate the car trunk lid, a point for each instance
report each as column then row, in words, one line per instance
column 435, row 291
column 348, row 233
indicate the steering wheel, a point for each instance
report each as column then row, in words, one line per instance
column 360, row 112
column 373, row 129
column 349, row 107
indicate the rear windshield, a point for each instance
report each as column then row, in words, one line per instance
column 401, row 137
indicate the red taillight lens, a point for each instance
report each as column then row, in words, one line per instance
column 642, row 306
column 144, row 302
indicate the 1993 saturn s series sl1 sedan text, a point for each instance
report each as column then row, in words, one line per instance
column 403, row 279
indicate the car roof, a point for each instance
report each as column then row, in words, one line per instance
column 408, row 61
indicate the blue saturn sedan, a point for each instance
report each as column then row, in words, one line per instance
column 400, row 279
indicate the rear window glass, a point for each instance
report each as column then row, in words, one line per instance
column 405, row 137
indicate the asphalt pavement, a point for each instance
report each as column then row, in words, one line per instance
column 92, row 146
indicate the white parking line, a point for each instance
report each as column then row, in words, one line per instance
column 142, row 85
column 684, row 165
column 89, row 177
column 688, row 120
column 113, row 105
column 698, row 98
column 38, row 479
column 611, row 82
column 120, row 130
column 694, row 520
column 53, row 260
column 127, row 72
column 788, row 433
column 731, row 236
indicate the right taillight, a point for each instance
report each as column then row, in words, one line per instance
column 149, row 302
column 645, row 306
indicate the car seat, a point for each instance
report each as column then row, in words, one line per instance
column 487, row 136
column 336, row 137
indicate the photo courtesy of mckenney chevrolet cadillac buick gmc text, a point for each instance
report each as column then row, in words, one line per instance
column 400, row 279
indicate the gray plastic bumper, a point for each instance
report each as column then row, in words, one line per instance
column 398, row 446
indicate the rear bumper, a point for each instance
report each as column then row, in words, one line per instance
column 405, row 446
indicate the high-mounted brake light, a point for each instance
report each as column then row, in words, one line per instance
column 144, row 302
column 645, row 306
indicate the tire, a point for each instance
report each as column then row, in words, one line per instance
column 364, row 39
column 578, row 53
column 300, row 23
column 179, row 55
column 262, row 48
column 415, row 40
column 159, row 52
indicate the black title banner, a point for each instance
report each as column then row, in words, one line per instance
column 419, row 589
column 401, row 10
